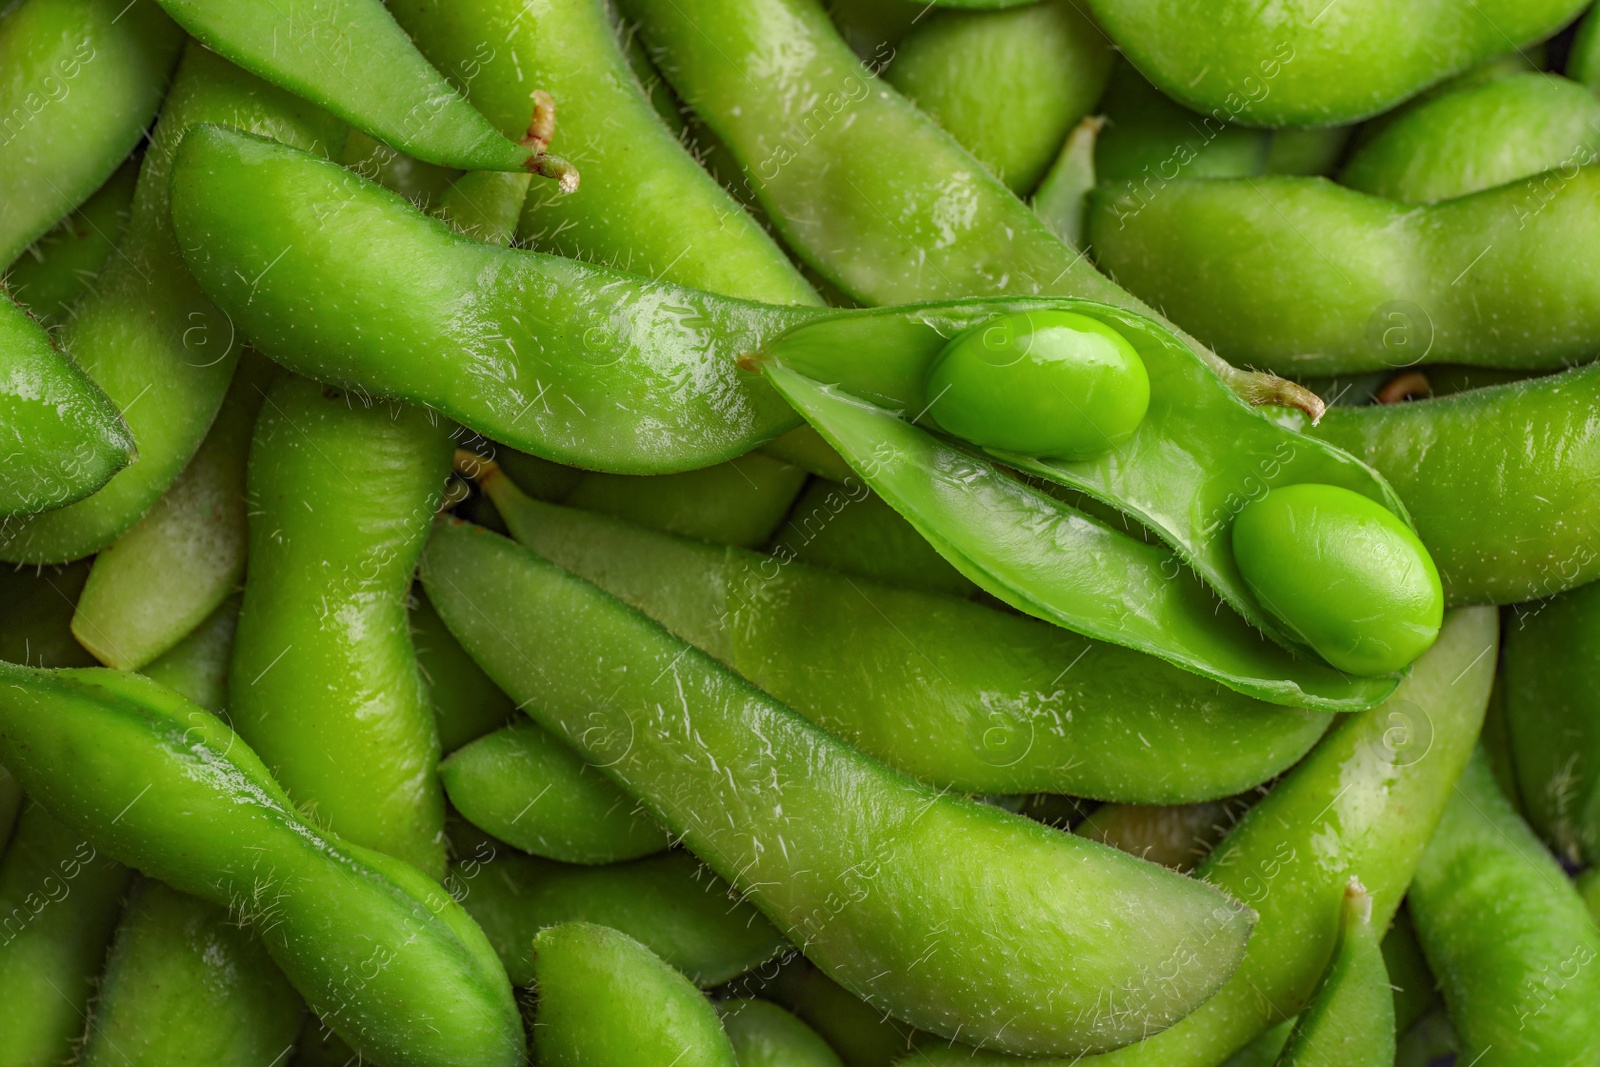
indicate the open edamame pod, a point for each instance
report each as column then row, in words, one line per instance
column 1501, row 278
column 920, row 682
column 1306, row 64
column 146, row 335
column 670, row 903
column 1507, row 935
column 351, row 58
column 61, row 437
column 186, row 985
column 605, row 1000
column 377, row 949
column 764, row 1035
column 1349, row 1019
column 867, row 886
column 1366, row 800
column 324, row 683
column 79, row 82
column 574, row 363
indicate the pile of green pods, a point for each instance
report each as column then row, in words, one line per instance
column 799, row 533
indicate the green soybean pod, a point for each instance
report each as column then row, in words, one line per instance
column 1349, row 1019
column 485, row 204
column 152, row 586
column 54, row 272
column 859, row 1033
column 608, row 1001
column 531, row 791
column 1305, row 64
column 1060, row 196
column 955, row 693
column 1414, row 991
column 571, row 384
column 36, row 627
column 1501, row 481
column 377, row 949
column 185, row 985
column 1177, row 835
column 82, row 79
column 645, row 206
column 730, row 768
column 1506, row 933
column 1150, row 139
column 197, row 667
column 1366, row 800
column 1264, row 1050
column 146, row 335
column 1008, row 85
column 1551, row 695
column 673, row 905
column 1583, row 61
column 1479, row 137
column 61, row 437
column 59, row 901
column 764, row 1035
column 466, row 704
column 324, row 683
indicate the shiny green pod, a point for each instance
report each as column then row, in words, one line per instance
column 1367, row 800
column 531, row 791
column 575, row 363
column 1349, row 1019
column 670, row 903
column 324, row 684
column 1498, row 278
column 59, row 267
column 59, row 902
column 646, row 207
column 1303, row 63
column 1507, row 935
column 605, row 1000
column 1551, row 682
column 1479, row 137
column 351, row 58
column 61, row 437
column 955, row 693
column 376, row 948
column 146, row 335
column 764, row 1035
column 152, row 586
column 1008, row 86
column 185, row 985
column 865, row 885
column 79, row 82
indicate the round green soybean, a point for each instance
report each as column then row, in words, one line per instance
column 1342, row 571
column 1044, row 383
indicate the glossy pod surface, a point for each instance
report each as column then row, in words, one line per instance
column 162, row 784
column 733, row 772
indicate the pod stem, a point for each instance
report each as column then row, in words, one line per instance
column 1260, row 389
column 541, row 129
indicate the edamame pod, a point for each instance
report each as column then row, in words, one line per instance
column 324, row 683
column 674, row 906
column 382, row 85
column 1349, row 1019
column 197, row 667
column 1551, row 679
column 531, row 791
column 861, row 886
column 79, row 82
column 646, row 206
column 54, row 272
column 764, row 1035
column 185, row 985
column 1368, row 799
column 1059, row 198
column 61, row 437
column 1495, row 279
column 1007, row 86
column 1305, row 64
column 607, row 1001
column 1150, row 139
column 146, row 335
column 1177, row 836
column 1502, row 482
column 59, row 901
column 377, row 950
column 859, row 1033
column 466, row 704
column 1507, row 935
column 956, row 693
column 1583, row 61
column 153, row 585
column 1415, row 991
column 576, row 363
column 1479, row 137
